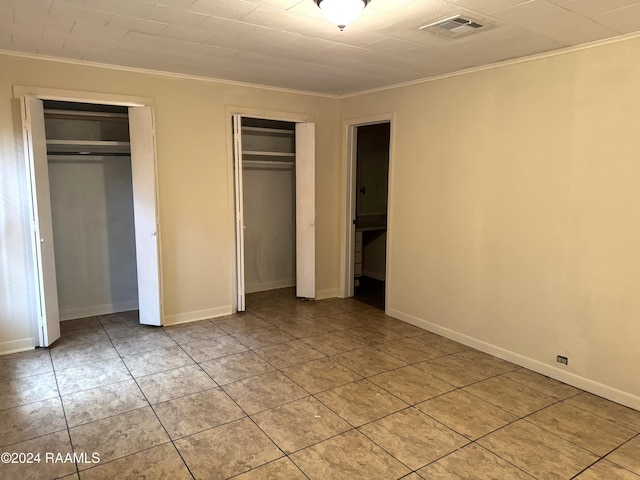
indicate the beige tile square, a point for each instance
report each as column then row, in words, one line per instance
column 536, row 451
column 301, row 423
column 410, row 350
column 239, row 446
column 125, row 328
column 91, row 375
column 411, row 384
column 283, row 315
column 509, row 395
column 347, row 457
column 413, row 438
column 217, row 347
column 192, row 332
column 155, row 361
column 29, row 421
column 373, row 334
column 550, row 387
column 71, row 356
column 240, row 323
column 627, row 417
column 171, row 384
column 468, row 415
column 320, row 375
column 263, row 305
column 290, row 353
column 403, row 328
column 279, row 469
column 316, row 308
column 442, row 343
column 342, row 321
column 454, row 370
column 262, row 337
column 197, row 412
column 305, row 328
column 81, row 336
column 265, row 391
column 91, row 405
column 369, row 361
column 86, row 323
column 333, row 343
column 25, row 364
column 604, row 470
column 52, row 443
column 628, row 455
column 486, row 361
column 586, row 430
column 474, row 462
column 360, row 402
column 143, row 342
column 236, row 367
column 162, row 462
column 23, row 390
column 118, row 436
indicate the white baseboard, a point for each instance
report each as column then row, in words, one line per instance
column 92, row 311
column 374, row 275
column 328, row 293
column 573, row 379
column 264, row 286
column 188, row 317
column 15, row 346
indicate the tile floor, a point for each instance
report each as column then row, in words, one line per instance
column 323, row 390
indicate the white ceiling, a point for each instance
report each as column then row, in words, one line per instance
column 289, row 44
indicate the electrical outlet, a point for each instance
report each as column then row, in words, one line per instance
column 563, row 360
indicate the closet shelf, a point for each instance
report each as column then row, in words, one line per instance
column 78, row 114
column 86, row 147
column 267, row 163
column 268, row 131
column 267, row 154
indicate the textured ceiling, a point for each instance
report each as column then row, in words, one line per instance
column 289, row 44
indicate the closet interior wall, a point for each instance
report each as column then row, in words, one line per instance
column 268, row 166
column 91, row 192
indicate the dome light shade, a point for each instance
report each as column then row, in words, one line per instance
column 342, row 12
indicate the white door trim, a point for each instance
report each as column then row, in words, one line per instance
column 348, row 200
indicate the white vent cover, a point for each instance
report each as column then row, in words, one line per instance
column 455, row 26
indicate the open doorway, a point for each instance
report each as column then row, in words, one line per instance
column 93, row 202
column 370, row 243
column 367, row 196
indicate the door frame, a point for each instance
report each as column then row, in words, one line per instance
column 45, row 93
column 347, row 247
column 230, row 111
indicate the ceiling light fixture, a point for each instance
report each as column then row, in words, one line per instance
column 342, row 12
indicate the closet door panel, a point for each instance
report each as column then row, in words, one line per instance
column 305, row 211
column 145, row 210
column 239, row 210
column 40, row 213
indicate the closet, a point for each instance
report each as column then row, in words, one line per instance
column 89, row 163
column 92, row 192
column 274, row 166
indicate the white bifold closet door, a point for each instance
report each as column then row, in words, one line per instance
column 239, row 209
column 44, row 264
column 305, row 211
column 145, row 214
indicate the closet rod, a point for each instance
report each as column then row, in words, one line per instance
column 266, row 162
column 84, row 158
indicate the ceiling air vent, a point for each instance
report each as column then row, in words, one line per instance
column 455, row 26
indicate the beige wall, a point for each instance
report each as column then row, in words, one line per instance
column 193, row 173
column 515, row 212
